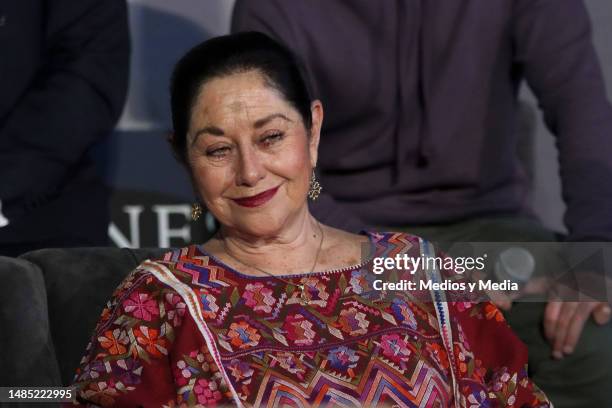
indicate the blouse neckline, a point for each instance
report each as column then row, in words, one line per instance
column 298, row 275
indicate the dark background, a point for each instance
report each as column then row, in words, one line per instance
column 151, row 193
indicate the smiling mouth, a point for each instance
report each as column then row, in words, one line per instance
column 258, row 199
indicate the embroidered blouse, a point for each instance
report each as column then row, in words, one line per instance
column 187, row 330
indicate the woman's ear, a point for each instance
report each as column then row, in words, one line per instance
column 316, row 111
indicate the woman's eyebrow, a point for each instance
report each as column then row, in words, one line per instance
column 215, row 131
column 263, row 121
column 211, row 130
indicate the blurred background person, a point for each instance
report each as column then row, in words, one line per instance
column 422, row 98
column 63, row 80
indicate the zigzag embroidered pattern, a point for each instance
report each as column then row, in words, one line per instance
column 349, row 346
column 187, row 330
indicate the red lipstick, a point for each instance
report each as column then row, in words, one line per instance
column 258, row 199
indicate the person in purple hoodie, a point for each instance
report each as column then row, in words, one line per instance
column 421, row 130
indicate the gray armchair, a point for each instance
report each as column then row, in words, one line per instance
column 50, row 302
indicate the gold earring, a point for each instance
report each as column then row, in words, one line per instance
column 315, row 187
column 196, row 211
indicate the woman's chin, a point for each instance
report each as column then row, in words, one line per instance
column 259, row 226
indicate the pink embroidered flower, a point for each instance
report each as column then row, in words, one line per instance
column 353, row 322
column 141, row 306
column 175, row 308
column 299, row 330
column 243, row 335
column 207, row 392
column 394, row 348
column 259, row 297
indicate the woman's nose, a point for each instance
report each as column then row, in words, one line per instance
column 251, row 169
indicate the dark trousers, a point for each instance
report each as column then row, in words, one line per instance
column 581, row 379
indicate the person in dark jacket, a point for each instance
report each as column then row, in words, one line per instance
column 63, row 81
column 422, row 132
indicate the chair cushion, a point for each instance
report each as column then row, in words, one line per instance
column 79, row 282
column 27, row 355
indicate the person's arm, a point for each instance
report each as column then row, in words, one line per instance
column 73, row 102
column 554, row 50
column 270, row 17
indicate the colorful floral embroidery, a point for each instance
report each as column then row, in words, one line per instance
column 209, row 305
column 342, row 358
column 128, row 371
column 290, row 362
column 100, row 393
column 259, row 297
column 299, row 329
column 403, row 313
column 353, row 322
column 114, row 341
column 207, row 392
column 141, row 306
column 315, row 291
column 361, row 283
column 175, row 308
column 491, row 312
column 345, row 342
column 395, row 348
column 240, row 371
column 242, row 335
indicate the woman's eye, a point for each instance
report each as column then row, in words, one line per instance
column 269, row 140
column 219, row 152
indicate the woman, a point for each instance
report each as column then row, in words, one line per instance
column 278, row 309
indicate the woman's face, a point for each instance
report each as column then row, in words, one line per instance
column 249, row 154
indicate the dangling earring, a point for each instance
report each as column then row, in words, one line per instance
column 196, row 211
column 315, row 187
